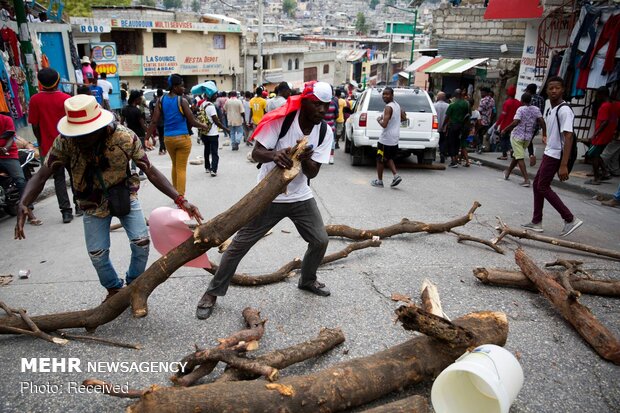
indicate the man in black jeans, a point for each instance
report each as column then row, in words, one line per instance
column 211, row 137
column 160, row 122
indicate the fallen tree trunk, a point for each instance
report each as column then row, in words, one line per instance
column 404, row 227
column 506, row 230
column 287, row 269
column 208, row 235
column 413, row 404
column 579, row 316
column 342, row 387
column 516, row 279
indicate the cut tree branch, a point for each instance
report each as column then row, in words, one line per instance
column 334, row 389
column 100, row 340
column 412, row 404
column 111, row 389
column 404, row 227
column 414, row 318
column 516, row 279
column 579, row 316
column 430, row 299
column 287, row 269
column 206, row 236
column 503, row 228
column 465, row 237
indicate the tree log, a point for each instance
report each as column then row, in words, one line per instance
column 327, row 339
column 404, row 227
column 207, row 235
column 430, row 299
column 516, row 279
column 342, row 387
column 412, row 404
column 414, row 318
column 579, row 316
column 287, row 269
column 504, row 229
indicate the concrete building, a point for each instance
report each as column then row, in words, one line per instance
column 152, row 43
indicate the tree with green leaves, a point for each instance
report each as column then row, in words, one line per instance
column 289, row 7
column 195, row 6
column 361, row 26
column 173, row 4
column 81, row 8
column 373, row 4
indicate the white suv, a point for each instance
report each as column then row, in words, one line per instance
column 419, row 134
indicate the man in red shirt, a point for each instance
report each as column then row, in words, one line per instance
column 47, row 108
column 606, row 124
column 509, row 109
column 9, row 160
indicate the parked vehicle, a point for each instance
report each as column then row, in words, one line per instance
column 9, row 194
column 419, row 134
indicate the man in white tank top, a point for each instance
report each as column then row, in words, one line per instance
column 388, row 141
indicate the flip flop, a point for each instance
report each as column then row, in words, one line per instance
column 592, row 182
column 36, row 222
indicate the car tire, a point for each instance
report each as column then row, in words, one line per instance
column 357, row 155
column 347, row 145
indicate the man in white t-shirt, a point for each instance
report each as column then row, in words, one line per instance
column 103, row 83
column 210, row 138
column 559, row 120
column 297, row 203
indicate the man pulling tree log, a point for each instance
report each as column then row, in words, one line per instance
column 302, row 116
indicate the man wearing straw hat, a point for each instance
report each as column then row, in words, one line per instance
column 98, row 151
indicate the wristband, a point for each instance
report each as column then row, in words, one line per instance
column 180, row 200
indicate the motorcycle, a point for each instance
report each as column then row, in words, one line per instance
column 9, row 194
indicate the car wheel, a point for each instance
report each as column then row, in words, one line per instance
column 357, row 155
column 347, row 145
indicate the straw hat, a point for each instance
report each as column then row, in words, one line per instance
column 85, row 59
column 83, row 116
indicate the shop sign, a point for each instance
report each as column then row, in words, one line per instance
column 86, row 25
column 527, row 70
column 159, row 65
column 172, row 25
column 130, row 65
column 104, row 54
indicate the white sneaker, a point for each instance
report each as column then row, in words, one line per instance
column 570, row 227
column 533, row 227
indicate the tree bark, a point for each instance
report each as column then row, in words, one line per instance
column 413, row 404
column 579, row 316
column 414, row 318
column 326, row 340
column 516, row 279
column 342, row 387
column 208, row 235
column 464, row 237
column 504, row 229
column 430, row 299
column 404, row 227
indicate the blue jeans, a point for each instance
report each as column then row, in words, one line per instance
column 236, row 134
column 97, row 234
column 14, row 169
column 617, row 194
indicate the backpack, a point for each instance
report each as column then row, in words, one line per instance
column 204, row 118
column 286, row 125
column 573, row 152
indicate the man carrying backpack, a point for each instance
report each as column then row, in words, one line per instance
column 302, row 116
column 558, row 158
column 207, row 114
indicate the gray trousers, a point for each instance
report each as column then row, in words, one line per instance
column 309, row 223
column 611, row 157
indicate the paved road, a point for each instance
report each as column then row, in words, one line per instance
column 562, row 374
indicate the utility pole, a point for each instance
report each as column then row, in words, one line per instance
column 259, row 59
column 389, row 56
column 415, row 29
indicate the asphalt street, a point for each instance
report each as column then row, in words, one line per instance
column 562, row 373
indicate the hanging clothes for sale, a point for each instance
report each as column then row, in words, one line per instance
column 610, row 37
column 9, row 36
column 3, row 106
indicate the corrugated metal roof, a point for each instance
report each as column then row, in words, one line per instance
column 454, row 65
column 473, row 50
column 418, row 63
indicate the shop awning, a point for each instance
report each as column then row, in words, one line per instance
column 355, row 55
column 454, row 65
column 404, row 74
column 421, row 61
column 513, row 10
column 435, row 61
column 273, row 76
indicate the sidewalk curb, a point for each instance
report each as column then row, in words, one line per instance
column 574, row 187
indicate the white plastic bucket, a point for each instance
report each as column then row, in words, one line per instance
column 486, row 380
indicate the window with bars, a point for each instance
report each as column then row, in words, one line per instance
column 159, row 40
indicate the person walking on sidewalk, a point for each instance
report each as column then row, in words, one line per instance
column 342, row 104
column 485, row 107
column 134, row 119
column 160, row 123
column 522, row 128
column 559, row 119
column 99, row 151
column 509, row 109
column 235, row 113
column 176, row 114
column 387, row 147
column 46, row 109
column 273, row 145
column 210, row 138
column 606, row 124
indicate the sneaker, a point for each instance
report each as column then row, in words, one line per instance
column 454, row 165
column 78, row 211
column 67, row 217
column 207, row 170
column 397, row 179
column 570, row 227
column 213, row 173
column 533, row 227
column 376, row 182
column 331, row 160
column 142, row 176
